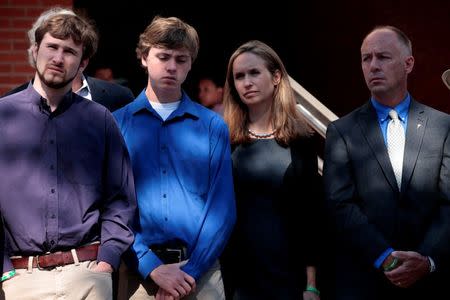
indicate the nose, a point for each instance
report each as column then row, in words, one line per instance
column 247, row 81
column 171, row 65
column 58, row 57
column 374, row 64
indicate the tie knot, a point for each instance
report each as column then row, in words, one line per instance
column 393, row 114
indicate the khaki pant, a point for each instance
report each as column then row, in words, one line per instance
column 133, row 287
column 70, row 282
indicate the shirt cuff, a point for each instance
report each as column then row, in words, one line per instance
column 382, row 257
column 148, row 263
column 432, row 264
column 110, row 255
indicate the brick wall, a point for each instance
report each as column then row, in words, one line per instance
column 16, row 18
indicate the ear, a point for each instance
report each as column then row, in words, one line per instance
column 144, row 60
column 276, row 77
column 83, row 65
column 409, row 64
column 34, row 50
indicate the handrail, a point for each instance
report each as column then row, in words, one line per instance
column 316, row 114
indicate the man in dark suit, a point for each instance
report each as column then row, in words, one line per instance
column 392, row 224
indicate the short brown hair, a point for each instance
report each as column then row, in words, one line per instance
column 64, row 26
column 169, row 33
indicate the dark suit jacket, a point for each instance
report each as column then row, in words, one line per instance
column 369, row 212
column 111, row 95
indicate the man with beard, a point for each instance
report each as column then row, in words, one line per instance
column 67, row 193
column 111, row 95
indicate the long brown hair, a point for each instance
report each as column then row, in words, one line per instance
column 287, row 121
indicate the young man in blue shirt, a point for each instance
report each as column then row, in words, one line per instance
column 180, row 153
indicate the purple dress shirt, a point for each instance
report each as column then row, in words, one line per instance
column 66, row 178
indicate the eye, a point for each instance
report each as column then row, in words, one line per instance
column 238, row 76
column 254, row 72
column 182, row 59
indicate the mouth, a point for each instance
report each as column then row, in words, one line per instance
column 376, row 80
column 169, row 78
column 250, row 94
column 55, row 69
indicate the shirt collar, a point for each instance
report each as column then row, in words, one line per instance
column 84, row 90
column 383, row 110
column 36, row 98
column 187, row 107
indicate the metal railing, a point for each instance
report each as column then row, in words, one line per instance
column 316, row 114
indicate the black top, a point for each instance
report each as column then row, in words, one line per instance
column 277, row 205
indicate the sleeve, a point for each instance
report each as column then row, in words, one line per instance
column 220, row 212
column 351, row 225
column 437, row 240
column 119, row 202
column 304, row 160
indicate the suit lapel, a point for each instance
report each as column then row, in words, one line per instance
column 368, row 121
column 97, row 92
column 417, row 121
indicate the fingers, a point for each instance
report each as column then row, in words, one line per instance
column 190, row 280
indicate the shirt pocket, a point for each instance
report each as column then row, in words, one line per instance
column 194, row 172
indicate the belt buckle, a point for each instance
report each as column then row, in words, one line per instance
column 38, row 265
column 178, row 251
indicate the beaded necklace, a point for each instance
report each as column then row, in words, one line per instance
column 261, row 135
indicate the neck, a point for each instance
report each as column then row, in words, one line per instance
column 391, row 99
column 260, row 119
column 162, row 96
column 53, row 96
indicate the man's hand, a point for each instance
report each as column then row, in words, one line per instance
column 103, row 267
column 172, row 280
column 413, row 266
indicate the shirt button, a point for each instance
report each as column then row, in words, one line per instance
column 53, row 216
column 53, row 191
column 165, row 218
column 52, row 142
column 164, row 171
column 163, row 147
column 52, row 242
column 164, row 195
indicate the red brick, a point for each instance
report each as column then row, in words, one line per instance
column 12, row 11
column 25, row 2
column 5, row 45
column 13, row 57
column 15, row 80
column 20, row 45
column 5, row 22
column 66, row 3
column 13, row 35
column 22, row 23
column 22, row 68
column 5, row 68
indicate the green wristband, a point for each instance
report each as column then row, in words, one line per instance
column 8, row 275
column 392, row 265
column 312, row 289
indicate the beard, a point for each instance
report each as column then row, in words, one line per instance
column 55, row 84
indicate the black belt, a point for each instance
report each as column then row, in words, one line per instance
column 170, row 254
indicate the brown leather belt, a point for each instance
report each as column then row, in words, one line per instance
column 61, row 258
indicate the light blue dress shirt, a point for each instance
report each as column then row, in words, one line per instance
column 183, row 177
column 383, row 119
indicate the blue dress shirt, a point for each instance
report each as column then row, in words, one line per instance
column 183, row 177
column 383, row 119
